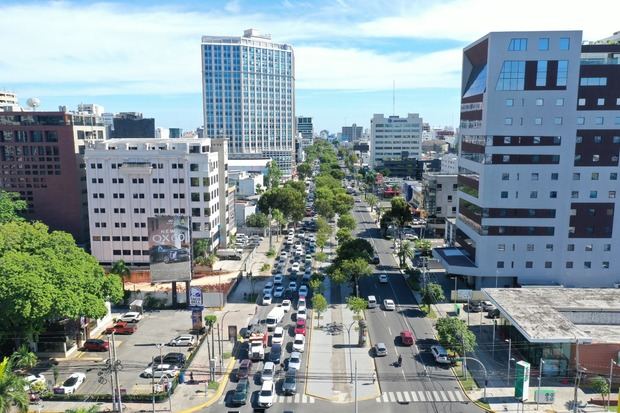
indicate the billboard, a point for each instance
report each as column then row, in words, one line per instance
column 170, row 255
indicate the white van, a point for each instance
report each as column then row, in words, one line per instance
column 372, row 301
column 274, row 317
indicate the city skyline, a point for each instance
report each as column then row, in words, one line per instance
column 144, row 56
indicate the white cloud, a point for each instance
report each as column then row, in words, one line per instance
column 233, row 6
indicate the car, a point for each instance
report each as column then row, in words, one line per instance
column 244, row 369
column 301, row 303
column 268, row 288
column 298, row 245
column 299, row 342
column 286, row 305
column 185, row 340
column 389, row 305
column 300, row 326
column 292, row 286
column 383, row 278
column 278, row 336
column 440, row 354
column 161, row 253
column 131, row 317
column 303, row 291
column 95, row 344
column 308, row 258
column 266, row 299
column 380, row 350
column 161, row 370
column 268, row 372
column 265, row 396
column 406, row 338
column 295, row 267
column 70, row 385
column 487, row 306
column 34, row 380
column 122, row 327
column 278, row 292
column 278, row 279
column 275, row 353
column 289, row 241
column 375, row 259
column 307, row 275
column 175, row 359
column 240, row 396
column 474, row 306
column 294, row 361
column 493, row 313
column 289, row 385
column 301, row 314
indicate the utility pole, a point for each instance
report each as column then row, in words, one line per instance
column 355, row 386
column 153, row 380
column 540, row 367
column 577, row 374
column 269, row 218
column 611, row 376
column 116, row 367
column 509, row 358
column 111, row 368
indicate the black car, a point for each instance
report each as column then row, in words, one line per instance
column 160, row 253
column 494, row 313
column 275, row 353
column 175, row 359
column 179, row 255
column 375, row 259
column 240, row 396
column 474, row 306
column 289, row 385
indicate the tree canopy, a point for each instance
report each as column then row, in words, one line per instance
column 257, row 220
column 288, row 200
column 304, row 170
column 347, row 221
column 11, row 207
column 273, row 176
column 453, row 332
column 350, row 271
column 355, row 248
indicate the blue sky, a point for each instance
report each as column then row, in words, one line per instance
column 144, row 55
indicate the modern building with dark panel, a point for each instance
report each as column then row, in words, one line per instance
column 538, row 162
column 41, row 158
column 131, row 125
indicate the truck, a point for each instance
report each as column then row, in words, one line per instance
column 229, row 254
column 274, row 317
column 122, row 327
column 258, row 342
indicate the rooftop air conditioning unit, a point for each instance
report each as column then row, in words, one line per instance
column 616, row 285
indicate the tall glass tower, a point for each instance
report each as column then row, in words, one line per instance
column 249, row 96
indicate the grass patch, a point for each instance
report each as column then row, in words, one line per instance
column 213, row 385
column 321, row 256
column 469, row 383
column 271, row 253
column 226, row 355
column 428, row 310
column 265, row 267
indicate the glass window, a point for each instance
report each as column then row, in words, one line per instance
column 517, row 44
column 581, row 120
column 512, row 75
column 534, row 176
column 501, row 247
column 554, row 176
column 557, row 120
column 549, row 247
column 540, row 101
column 574, row 194
column 587, row 265
column 576, row 176
column 594, row 176
column 529, row 264
column 605, row 264
column 538, row 121
column 510, row 102
column 588, row 247
column 595, row 158
column 593, row 194
column 564, row 43
column 553, row 194
column 607, row 247
column 593, row 81
column 530, row 247
column 504, row 194
column 548, row 264
column 613, row 176
column 533, row 194
column 581, row 102
column 500, row 264
column 507, row 121
column 600, row 101
column 505, row 176
column 543, row 43
column 559, row 102
column 569, row 264
column 570, row 247
column 562, row 73
column 541, row 73
column 612, row 194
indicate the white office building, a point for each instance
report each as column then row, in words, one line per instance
column 538, row 162
column 394, row 137
column 130, row 180
column 249, row 95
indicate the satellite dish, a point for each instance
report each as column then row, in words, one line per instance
column 34, row 103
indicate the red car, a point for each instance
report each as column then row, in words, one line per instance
column 300, row 326
column 406, row 338
column 95, row 344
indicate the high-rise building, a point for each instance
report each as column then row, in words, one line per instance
column 352, row 133
column 130, row 180
column 395, row 138
column 130, row 125
column 41, row 158
column 249, row 96
column 305, row 129
column 538, row 162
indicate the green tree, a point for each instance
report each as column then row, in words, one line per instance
column 337, row 174
column 23, row 358
column 321, row 240
column 259, row 189
column 372, row 201
column 424, row 246
column 208, row 261
column 319, row 304
column 343, row 234
column 322, row 226
column 12, row 389
column 406, row 250
column 257, row 220
column 400, row 211
column 324, row 208
column 316, row 285
column 210, row 320
column 200, row 247
column 299, row 186
column 351, row 271
column 288, row 200
column 343, row 203
column 11, row 206
column 432, row 294
column 121, row 269
column 279, row 218
column 45, row 276
column 304, row 170
column 273, row 176
column 600, row 385
column 347, row 221
column 453, row 332
column 356, row 304
column 355, row 248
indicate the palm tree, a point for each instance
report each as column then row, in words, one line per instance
column 23, row 358
column 406, row 250
column 12, row 389
column 372, row 201
column 121, row 269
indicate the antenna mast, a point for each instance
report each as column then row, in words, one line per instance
column 393, row 97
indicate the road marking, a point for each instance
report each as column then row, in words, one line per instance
column 378, row 399
column 391, row 397
column 421, row 396
column 429, row 395
column 414, row 397
column 404, row 377
column 399, row 396
column 451, row 396
column 406, row 395
column 385, row 397
column 390, row 330
column 459, row 396
column 296, row 398
column 439, row 396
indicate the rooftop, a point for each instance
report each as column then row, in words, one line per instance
column 560, row 315
column 454, row 256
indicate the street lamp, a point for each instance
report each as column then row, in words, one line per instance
column 509, row 341
column 611, row 372
column 350, row 356
column 222, row 337
column 540, row 367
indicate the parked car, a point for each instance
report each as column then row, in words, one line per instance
column 383, row 278
column 244, row 369
column 375, row 259
column 278, row 336
column 268, row 372
column 70, row 385
column 275, row 353
column 185, row 340
column 286, row 305
column 34, row 380
column 292, row 286
column 406, row 338
column 240, row 396
column 299, row 342
column 278, row 279
column 122, row 327
column 265, row 396
column 301, row 304
column 268, row 288
column 131, row 317
column 440, row 354
column 380, row 350
column 95, row 344
column 161, row 370
column 175, row 359
column 294, row 362
column 300, row 326
column 474, row 306
column 487, row 306
column 389, row 305
column 266, row 299
column 295, row 268
column 493, row 313
column 289, row 385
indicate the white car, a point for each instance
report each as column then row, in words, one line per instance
column 34, row 379
column 268, row 288
column 299, row 252
column 131, row 317
column 286, row 305
column 265, row 396
column 303, row 291
column 298, row 245
column 294, row 362
column 289, row 241
column 268, row 371
column 302, row 314
column 389, row 305
column 383, row 278
column 266, row 299
column 183, row 341
column 299, row 342
column 301, row 235
column 161, row 370
column 295, row 267
column 278, row 292
column 301, row 304
column 71, row 384
column 292, row 286
column 278, row 279
column 283, row 256
column 309, row 258
column 278, row 336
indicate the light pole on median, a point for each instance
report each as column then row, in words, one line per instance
column 611, row 373
column 509, row 341
column 222, row 337
column 350, row 352
column 540, row 367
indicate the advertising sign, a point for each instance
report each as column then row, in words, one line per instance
column 195, row 297
column 545, row 396
column 169, row 249
column 522, row 380
column 197, row 320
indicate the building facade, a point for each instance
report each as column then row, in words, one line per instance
column 352, row 133
column 538, row 161
column 249, row 95
column 41, row 158
column 440, row 200
column 130, row 180
column 305, row 130
column 131, row 125
column 395, row 138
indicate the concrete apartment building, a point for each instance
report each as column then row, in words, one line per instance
column 41, row 158
column 440, row 200
column 352, row 133
column 538, row 162
column 130, row 180
column 394, row 137
column 305, row 131
column 131, row 125
column 249, row 96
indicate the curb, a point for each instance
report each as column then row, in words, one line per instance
column 218, row 393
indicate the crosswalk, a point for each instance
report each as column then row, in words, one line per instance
column 420, row 396
column 292, row 399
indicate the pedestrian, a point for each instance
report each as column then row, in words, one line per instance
column 374, row 377
column 191, row 377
